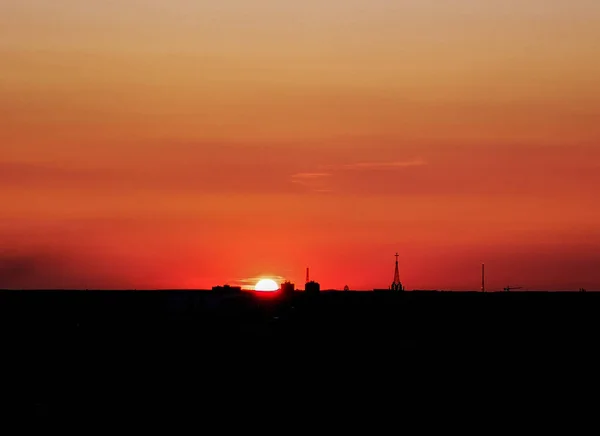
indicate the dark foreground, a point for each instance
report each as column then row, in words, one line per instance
column 80, row 345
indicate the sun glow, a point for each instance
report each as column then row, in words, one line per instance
column 266, row 285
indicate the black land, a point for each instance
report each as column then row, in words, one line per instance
column 76, row 343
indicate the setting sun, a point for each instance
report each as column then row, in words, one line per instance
column 266, row 285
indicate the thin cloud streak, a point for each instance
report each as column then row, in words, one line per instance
column 315, row 181
column 250, row 282
column 321, row 181
column 309, row 176
column 383, row 165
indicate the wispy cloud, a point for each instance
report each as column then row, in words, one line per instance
column 250, row 282
column 50, row 268
column 383, row 165
column 45, row 174
column 318, row 182
column 322, row 181
column 299, row 177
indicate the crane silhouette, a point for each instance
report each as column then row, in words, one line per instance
column 509, row 288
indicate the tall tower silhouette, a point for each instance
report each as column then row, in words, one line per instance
column 397, row 285
column 482, row 277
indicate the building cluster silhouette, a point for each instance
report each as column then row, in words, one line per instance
column 312, row 287
column 287, row 288
column 227, row 289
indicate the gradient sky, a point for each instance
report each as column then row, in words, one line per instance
column 153, row 144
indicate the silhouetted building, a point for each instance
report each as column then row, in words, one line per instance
column 287, row 288
column 227, row 289
column 312, row 287
column 346, row 288
column 396, row 284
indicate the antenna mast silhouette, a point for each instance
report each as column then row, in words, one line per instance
column 482, row 277
column 509, row 288
column 307, row 276
column 397, row 285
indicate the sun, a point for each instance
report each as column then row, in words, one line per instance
column 266, row 285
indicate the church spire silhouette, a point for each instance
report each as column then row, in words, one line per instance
column 397, row 285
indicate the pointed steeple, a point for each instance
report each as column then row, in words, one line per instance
column 397, row 285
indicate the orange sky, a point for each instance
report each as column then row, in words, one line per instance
column 189, row 143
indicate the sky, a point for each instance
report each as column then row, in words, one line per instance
column 184, row 144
